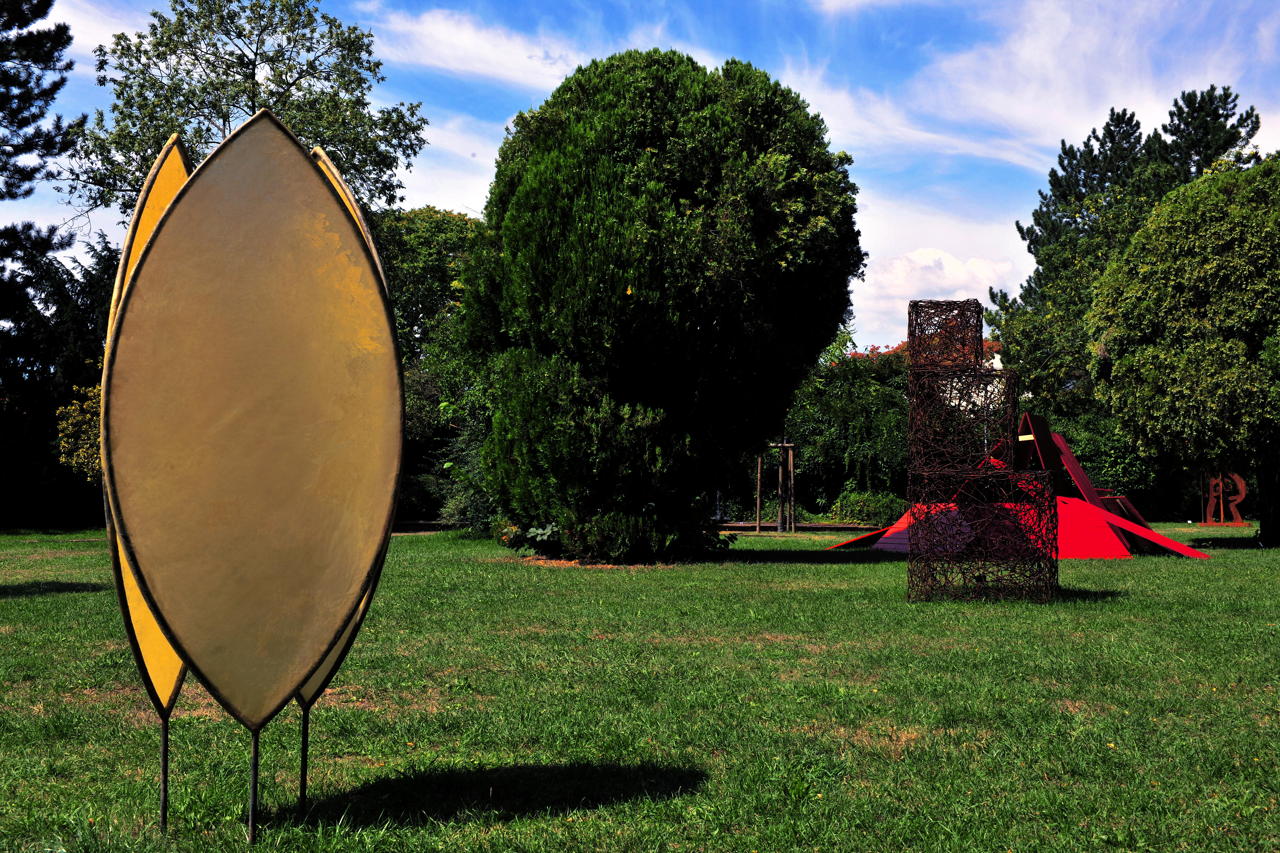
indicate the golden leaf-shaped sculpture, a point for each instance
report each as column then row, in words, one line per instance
column 251, row 420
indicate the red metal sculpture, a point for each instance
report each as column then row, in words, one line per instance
column 1092, row 523
column 1223, row 494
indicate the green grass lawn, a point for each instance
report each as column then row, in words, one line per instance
column 784, row 698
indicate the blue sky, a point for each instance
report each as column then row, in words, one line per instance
column 953, row 111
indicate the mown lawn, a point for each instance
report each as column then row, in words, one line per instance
column 783, row 698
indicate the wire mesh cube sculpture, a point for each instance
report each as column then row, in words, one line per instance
column 961, row 418
column 944, row 333
column 979, row 528
column 982, row 534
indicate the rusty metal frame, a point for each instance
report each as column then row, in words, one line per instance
column 960, row 418
column 979, row 527
column 982, row 534
column 944, row 333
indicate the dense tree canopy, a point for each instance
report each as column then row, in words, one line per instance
column 46, row 309
column 1099, row 194
column 848, row 423
column 422, row 252
column 51, row 357
column 32, row 72
column 1186, row 327
column 209, row 65
column 668, row 251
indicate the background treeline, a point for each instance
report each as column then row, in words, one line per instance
column 1099, row 196
column 645, row 305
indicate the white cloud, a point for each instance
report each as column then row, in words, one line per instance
column 1059, row 66
column 455, row 169
column 923, row 253
column 466, row 137
column 868, row 123
column 644, row 38
column 94, row 23
column 461, row 44
column 1051, row 72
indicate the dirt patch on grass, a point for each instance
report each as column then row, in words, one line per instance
column 807, row 586
column 130, row 700
column 7, row 629
column 813, row 668
column 526, row 631
column 1079, row 707
column 57, row 554
column 882, row 737
column 687, row 640
column 360, row 760
column 759, row 641
column 890, row 739
column 574, row 564
column 195, row 701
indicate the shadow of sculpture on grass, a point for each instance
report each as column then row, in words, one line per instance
column 29, row 588
column 518, row 790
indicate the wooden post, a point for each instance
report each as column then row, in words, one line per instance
column 782, row 497
column 791, row 486
column 759, row 474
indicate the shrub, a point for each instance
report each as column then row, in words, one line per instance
column 878, row 509
column 668, row 250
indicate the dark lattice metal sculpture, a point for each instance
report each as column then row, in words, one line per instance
column 944, row 333
column 979, row 528
column 960, row 418
column 982, row 534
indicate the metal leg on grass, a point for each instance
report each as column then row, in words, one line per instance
column 253, row 790
column 164, row 774
column 302, row 776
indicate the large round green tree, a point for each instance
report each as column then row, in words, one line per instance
column 1186, row 330
column 668, row 250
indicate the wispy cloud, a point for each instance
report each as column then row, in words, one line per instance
column 867, row 122
column 848, row 6
column 459, row 43
column 463, row 44
column 94, row 23
column 1061, row 64
column 657, row 35
column 1051, row 72
column 455, row 169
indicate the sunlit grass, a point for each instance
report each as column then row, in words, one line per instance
column 782, row 698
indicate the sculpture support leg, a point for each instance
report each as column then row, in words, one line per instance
column 253, row 790
column 302, row 776
column 164, row 773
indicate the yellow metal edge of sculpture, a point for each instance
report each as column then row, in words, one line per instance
column 160, row 665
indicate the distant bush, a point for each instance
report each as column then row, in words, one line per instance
column 878, row 509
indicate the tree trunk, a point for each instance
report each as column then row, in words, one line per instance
column 1266, row 502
